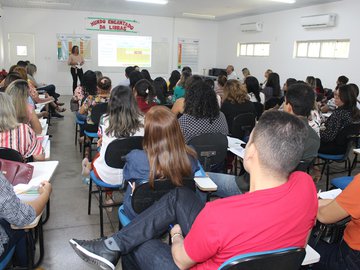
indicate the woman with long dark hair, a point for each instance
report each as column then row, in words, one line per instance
column 345, row 114
column 253, row 89
column 165, row 155
column 272, row 88
column 173, row 80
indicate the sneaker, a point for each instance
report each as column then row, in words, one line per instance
column 96, row 252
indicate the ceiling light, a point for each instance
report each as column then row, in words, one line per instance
column 199, row 16
column 48, row 3
column 285, row 1
column 159, row 2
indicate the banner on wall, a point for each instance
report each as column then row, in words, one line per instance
column 110, row 24
column 188, row 53
column 65, row 43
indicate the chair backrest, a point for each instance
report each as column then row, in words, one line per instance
column 242, row 126
column 259, row 108
column 97, row 111
column 10, row 154
column 117, row 150
column 347, row 136
column 305, row 165
column 272, row 102
column 211, row 149
column 281, row 259
column 144, row 196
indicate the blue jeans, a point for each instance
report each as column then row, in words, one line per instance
column 226, row 186
column 337, row 256
column 16, row 238
column 139, row 242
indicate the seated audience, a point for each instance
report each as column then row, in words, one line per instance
column 128, row 71
column 161, row 91
column 179, row 90
column 236, row 101
column 19, row 91
column 146, row 75
column 310, row 80
column 31, row 69
column 165, row 155
column 88, row 85
column 345, row 114
column 179, row 105
column 266, row 75
column 345, row 254
column 231, row 74
column 123, row 120
column 211, row 83
column 219, row 85
column 173, row 80
column 134, row 77
column 15, row 212
column 272, row 91
column 253, row 89
column 144, row 93
column 17, row 136
column 246, row 73
column 187, row 69
column 329, row 104
column 201, row 112
column 299, row 101
column 278, row 212
column 319, row 89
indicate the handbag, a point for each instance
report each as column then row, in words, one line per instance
column 16, row 172
column 74, row 105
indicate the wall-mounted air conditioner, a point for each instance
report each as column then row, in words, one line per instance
column 318, row 21
column 251, row 27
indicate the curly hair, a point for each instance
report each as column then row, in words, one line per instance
column 235, row 92
column 200, row 101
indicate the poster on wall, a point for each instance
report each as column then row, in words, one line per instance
column 188, row 53
column 110, row 24
column 66, row 42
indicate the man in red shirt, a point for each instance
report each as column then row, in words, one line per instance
column 278, row 212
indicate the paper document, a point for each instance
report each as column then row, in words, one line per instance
column 234, row 142
column 331, row 194
column 205, row 184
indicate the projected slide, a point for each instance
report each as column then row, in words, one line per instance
column 123, row 51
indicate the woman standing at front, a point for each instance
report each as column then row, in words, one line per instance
column 76, row 61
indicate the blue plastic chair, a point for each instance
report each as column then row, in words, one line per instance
column 102, row 186
column 124, row 220
column 279, row 259
column 5, row 261
column 78, row 123
column 342, row 182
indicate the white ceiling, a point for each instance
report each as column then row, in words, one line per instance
column 221, row 9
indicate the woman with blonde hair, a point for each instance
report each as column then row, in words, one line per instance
column 19, row 91
column 236, row 101
column 165, row 155
column 17, row 136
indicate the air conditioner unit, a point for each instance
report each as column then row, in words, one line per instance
column 318, row 21
column 251, row 27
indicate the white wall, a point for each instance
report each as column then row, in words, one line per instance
column 1, row 38
column 45, row 24
column 282, row 29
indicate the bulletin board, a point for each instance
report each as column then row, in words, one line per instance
column 65, row 42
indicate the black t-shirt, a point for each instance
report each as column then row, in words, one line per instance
column 231, row 110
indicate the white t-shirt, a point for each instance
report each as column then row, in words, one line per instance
column 107, row 174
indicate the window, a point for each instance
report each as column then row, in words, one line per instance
column 21, row 50
column 253, row 49
column 322, row 49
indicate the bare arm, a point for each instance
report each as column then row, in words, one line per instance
column 330, row 212
column 181, row 259
column 35, row 123
column 178, row 106
column 39, row 203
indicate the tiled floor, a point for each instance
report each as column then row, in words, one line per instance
column 69, row 200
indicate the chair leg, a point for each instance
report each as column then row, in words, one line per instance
column 101, row 212
column 327, row 175
column 89, row 200
column 76, row 132
column 350, row 166
column 323, row 169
